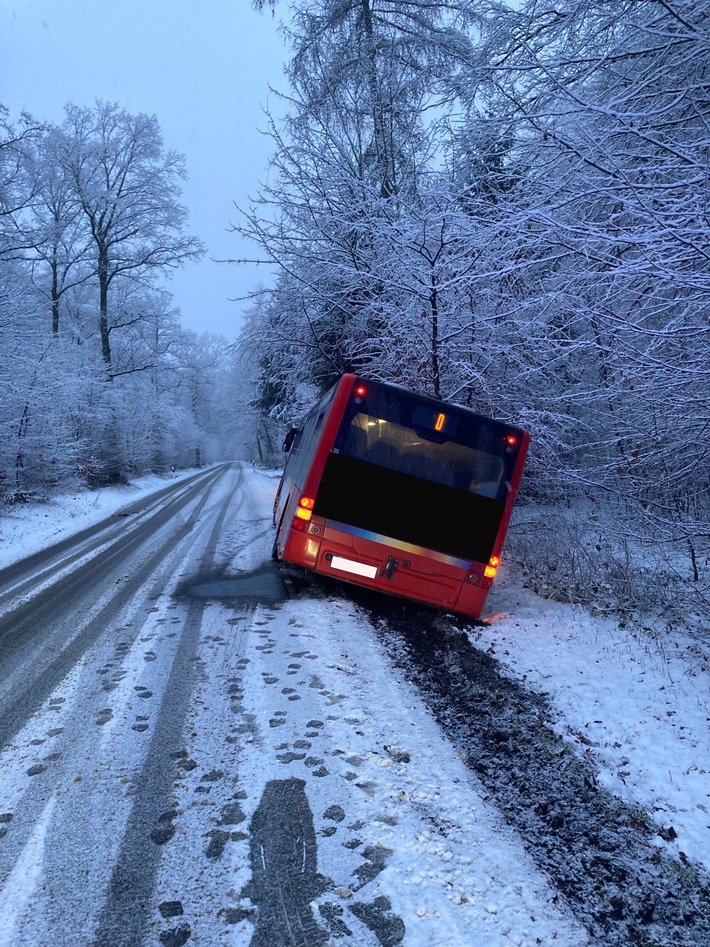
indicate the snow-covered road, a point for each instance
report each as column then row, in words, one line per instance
column 209, row 750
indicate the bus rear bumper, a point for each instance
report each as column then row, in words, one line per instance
column 471, row 600
column 404, row 574
column 388, row 569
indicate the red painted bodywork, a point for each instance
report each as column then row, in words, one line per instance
column 420, row 575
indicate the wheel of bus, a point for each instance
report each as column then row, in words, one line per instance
column 275, row 549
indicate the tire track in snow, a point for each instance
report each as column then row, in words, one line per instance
column 150, row 824
column 33, row 664
column 94, row 736
column 23, row 578
column 595, row 849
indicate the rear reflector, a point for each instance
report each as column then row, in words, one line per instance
column 356, row 568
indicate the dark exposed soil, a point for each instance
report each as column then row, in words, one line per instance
column 596, row 851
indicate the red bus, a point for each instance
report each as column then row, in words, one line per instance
column 399, row 492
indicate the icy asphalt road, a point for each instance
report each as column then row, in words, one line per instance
column 196, row 751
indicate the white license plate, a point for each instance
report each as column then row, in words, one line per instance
column 356, row 568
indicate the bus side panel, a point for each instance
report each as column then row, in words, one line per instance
column 301, row 548
column 329, row 432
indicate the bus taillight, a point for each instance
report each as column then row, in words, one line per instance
column 304, row 510
column 511, row 440
column 492, row 567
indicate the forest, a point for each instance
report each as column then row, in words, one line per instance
column 509, row 209
column 99, row 382
column 504, row 208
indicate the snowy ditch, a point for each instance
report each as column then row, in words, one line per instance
column 606, row 857
column 332, row 768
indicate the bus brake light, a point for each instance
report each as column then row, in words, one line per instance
column 361, row 391
column 492, row 567
column 304, row 510
column 511, row 440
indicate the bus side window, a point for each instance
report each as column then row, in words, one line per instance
column 301, row 441
column 290, row 438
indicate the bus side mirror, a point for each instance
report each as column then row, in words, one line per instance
column 290, row 438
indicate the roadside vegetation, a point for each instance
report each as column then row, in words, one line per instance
column 505, row 208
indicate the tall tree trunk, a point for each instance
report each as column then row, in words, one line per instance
column 388, row 186
column 21, row 434
column 55, row 298
column 434, row 309
column 103, row 305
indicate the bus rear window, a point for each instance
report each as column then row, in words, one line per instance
column 402, row 449
column 423, row 439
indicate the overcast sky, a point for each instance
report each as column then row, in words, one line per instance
column 204, row 67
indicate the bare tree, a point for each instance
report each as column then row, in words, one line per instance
column 346, row 213
column 16, row 186
column 89, row 215
column 127, row 186
column 61, row 240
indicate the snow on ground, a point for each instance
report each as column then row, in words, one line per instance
column 638, row 707
column 440, row 859
column 304, row 701
column 26, row 528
